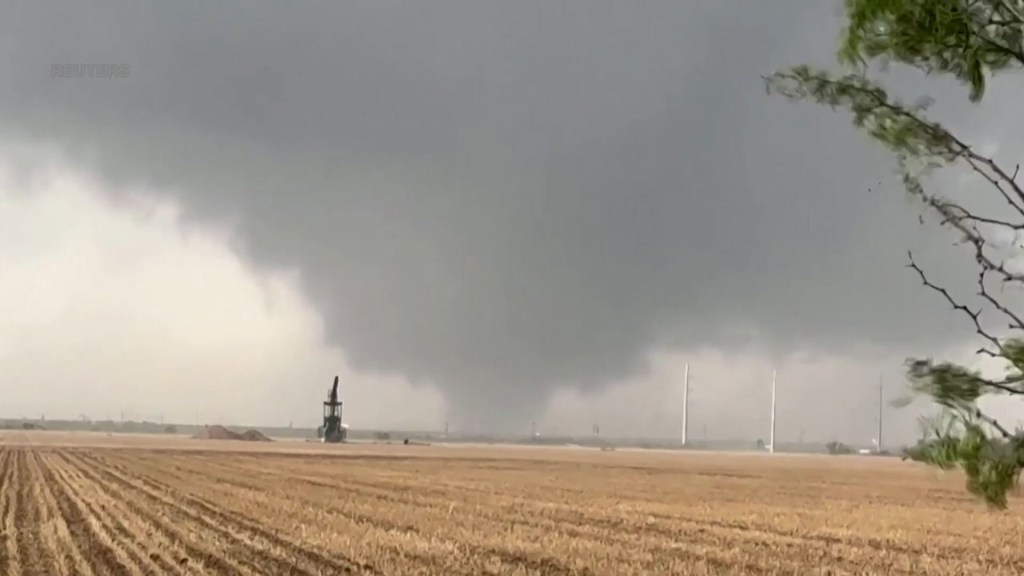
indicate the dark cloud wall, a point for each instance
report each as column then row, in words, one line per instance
column 499, row 197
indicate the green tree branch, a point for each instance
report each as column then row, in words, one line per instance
column 970, row 40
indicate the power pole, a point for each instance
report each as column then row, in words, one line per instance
column 686, row 399
column 771, row 437
column 881, row 407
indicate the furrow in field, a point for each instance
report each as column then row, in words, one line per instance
column 476, row 544
column 126, row 528
column 261, row 487
column 203, row 553
column 322, row 524
column 238, row 522
column 12, row 512
column 603, row 510
column 60, row 540
column 597, row 520
column 258, row 547
column 669, row 527
column 429, row 551
column 105, row 528
column 7, row 491
column 28, row 528
column 457, row 516
column 674, row 535
column 477, row 541
column 677, row 537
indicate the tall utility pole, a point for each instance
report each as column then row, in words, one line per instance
column 881, row 407
column 771, row 437
column 686, row 399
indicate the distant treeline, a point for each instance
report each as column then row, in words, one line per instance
column 147, row 427
column 133, row 427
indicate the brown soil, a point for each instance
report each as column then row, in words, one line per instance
column 244, row 509
column 221, row 433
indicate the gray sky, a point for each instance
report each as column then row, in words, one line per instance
column 485, row 212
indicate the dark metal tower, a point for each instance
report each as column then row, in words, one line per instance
column 333, row 431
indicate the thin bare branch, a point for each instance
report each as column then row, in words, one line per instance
column 974, row 160
column 1006, row 385
column 959, row 147
column 974, row 316
column 992, row 422
column 974, row 237
column 965, row 214
column 1016, row 323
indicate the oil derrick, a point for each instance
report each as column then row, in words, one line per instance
column 333, row 429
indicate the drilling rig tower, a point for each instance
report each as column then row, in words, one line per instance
column 333, row 430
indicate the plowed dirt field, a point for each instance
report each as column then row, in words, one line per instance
column 146, row 508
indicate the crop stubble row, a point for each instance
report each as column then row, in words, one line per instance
column 138, row 511
column 66, row 513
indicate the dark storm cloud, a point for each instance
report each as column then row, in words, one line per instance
column 497, row 197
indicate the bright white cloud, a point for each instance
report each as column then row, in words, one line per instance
column 117, row 307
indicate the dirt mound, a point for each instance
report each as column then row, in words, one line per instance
column 222, row 433
column 255, row 436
